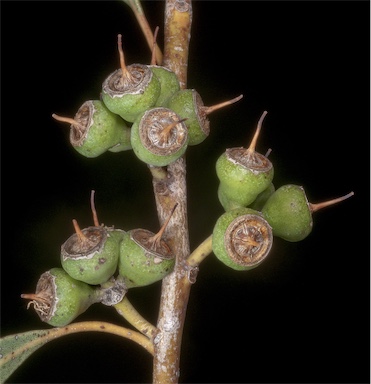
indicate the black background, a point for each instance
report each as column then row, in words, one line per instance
column 303, row 315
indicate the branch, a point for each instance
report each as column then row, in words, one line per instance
column 178, row 20
column 200, row 253
column 137, row 9
column 170, row 189
column 126, row 309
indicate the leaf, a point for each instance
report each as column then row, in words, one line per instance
column 15, row 349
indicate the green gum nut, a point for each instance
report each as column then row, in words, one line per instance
column 124, row 142
column 142, row 261
column 227, row 203
column 130, row 96
column 262, row 198
column 242, row 238
column 116, row 233
column 130, row 90
column 169, row 83
column 95, row 129
column 145, row 257
column 290, row 213
column 243, row 173
column 59, row 298
column 91, row 254
column 187, row 103
column 242, row 180
column 159, row 136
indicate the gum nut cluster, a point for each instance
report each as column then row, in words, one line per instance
column 98, row 265
column 255, row 211
column 141, row 108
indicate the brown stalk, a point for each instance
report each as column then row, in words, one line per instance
column 168, row 192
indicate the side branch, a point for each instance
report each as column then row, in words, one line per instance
column 126, row 309
column 137, row 9
column 201, row 252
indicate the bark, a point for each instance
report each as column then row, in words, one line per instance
column 170, row 188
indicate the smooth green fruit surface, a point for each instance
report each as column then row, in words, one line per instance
column 187, row 103
column 242, row 238
column 227, row 203
column 92, row 260
column 124, row 143
column 288, row 212
column 262, row 198
column 169, row 83
column 140, row 266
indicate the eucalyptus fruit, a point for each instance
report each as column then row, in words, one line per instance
column 262, row 198
column 168, row 79
column 95, row 130
column 169, row 83
column 243, row 174
column 59, row 298
column 130, row 90
column 242, row 238
column 289, row 213
column 124, row 143
column 145, row 257
column 91, row 254
column 159, row 136
column 187, row 103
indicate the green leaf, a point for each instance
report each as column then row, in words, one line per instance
column 15, row 349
